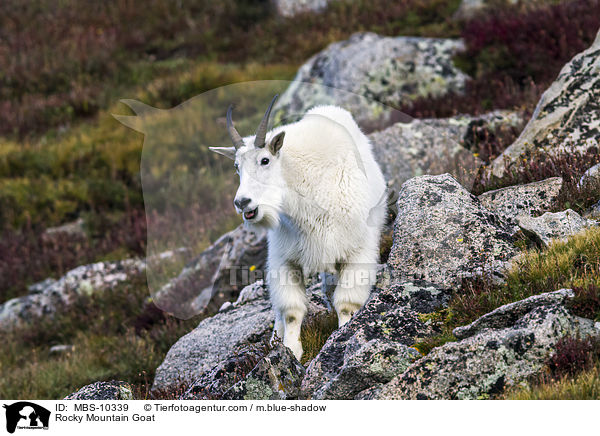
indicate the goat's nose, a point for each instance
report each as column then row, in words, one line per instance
column 241, row 203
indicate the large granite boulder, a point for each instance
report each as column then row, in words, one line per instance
column 275, row 377
column 221, row 340
column 566, row 118
column 436, row 146
column 530, row 199
column 501, row 349
column 443, row 234
column 370, row 349
column 218, row 274
column 367, row 69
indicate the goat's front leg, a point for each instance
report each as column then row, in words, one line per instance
column 288, row 298
column 354, row 285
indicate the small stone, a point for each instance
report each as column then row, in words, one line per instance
column 59, row 349
column 112, row 390
column 553, row 226
column 591, row 176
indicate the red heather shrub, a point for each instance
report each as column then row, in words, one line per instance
column 573, row 355
column 587, row 301
column 535, row 44
column 513, row 56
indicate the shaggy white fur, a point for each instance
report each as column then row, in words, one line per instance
column 318, row 189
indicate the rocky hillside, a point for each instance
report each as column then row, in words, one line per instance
column 410, row 341
column 489, row 281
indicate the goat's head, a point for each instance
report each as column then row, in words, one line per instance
column 260, row 194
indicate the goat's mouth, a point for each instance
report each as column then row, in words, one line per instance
column 250, row 214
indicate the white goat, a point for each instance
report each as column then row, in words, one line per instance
column 317, row 188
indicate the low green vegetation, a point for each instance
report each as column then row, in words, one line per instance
column 314, row 334
column 572, row 264
column 115, row 334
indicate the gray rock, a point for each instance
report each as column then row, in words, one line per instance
column 507, row 315
column 74, row 229
column 61, row 293
column 566, row 117
column 549, row 226
column 112, row 390
column 276, row 377
column 501, row 353
column 469, row 9
column 218, row 274
column 59, row 349
column 435, row 146
column 367, row 69
column 594, row 211
column 212, row 384
column 39, row 287
column 590, row 177
column 443, row 234
column 214, row 340
column 368, row 350
column 417, row 295
column 529, row 199
column 219, row 338
column 290, row 8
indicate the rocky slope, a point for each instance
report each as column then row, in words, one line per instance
column 443, row 235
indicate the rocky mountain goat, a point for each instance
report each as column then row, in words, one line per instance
column 317, row 188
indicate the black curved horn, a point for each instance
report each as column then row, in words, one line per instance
column 261, row 132
column 236, row 138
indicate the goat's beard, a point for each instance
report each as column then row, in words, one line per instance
column 268, row 217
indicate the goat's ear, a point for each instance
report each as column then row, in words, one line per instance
column 225, row 151
column 276, row 143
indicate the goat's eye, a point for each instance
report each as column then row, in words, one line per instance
column 264, row 161
column 237, row 167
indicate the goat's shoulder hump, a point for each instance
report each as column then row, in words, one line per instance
column 334, row 113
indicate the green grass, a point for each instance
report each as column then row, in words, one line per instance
column 572, row 264
column 314, row 334
column 584, row 386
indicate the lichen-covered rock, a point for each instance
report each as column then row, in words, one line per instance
column 443, row 234
column 590, row 177
column 290, row 8
column 212, row 384
column 218, row 274
column 567, row 115
column 529, row 199
column 417, row 295
column 112, row 390
column 507, row 315
column 220, row 338
column 435, row 146
column 49, row 296
column 549, row 226
column 370, row 349
column 214, row 340
column 504, row 350
column 366, row 69
column 275, row 377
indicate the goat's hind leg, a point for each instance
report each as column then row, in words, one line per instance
column 354, row 286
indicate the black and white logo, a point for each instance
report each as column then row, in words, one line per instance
column 26, row 415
